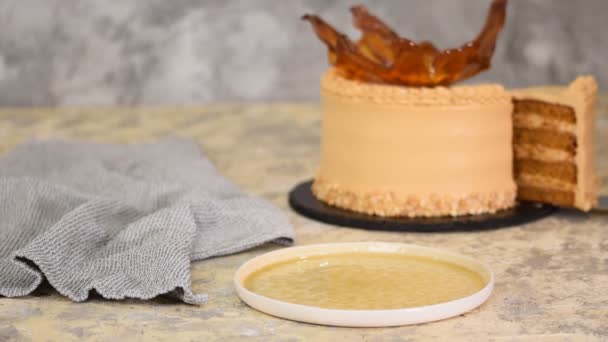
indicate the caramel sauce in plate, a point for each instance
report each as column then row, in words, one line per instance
column 365, row 281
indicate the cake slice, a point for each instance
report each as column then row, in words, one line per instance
column 554, row 153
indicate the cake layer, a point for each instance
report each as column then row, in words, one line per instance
column 539, row 194
column 565, row 171
column 533, row 120
column 544, row 137
column 554, row 112
column 390, row 150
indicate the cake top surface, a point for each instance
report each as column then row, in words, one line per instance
column 582, row 89
column 334, row 83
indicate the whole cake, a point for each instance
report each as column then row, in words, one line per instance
column 397, row 151
column 399, row 139
column 553, row 144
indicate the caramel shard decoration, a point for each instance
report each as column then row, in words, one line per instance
column 382, row 56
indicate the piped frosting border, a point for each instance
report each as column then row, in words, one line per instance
column 333, row 83
column 387, row 204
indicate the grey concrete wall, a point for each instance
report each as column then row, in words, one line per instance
column 107, row 52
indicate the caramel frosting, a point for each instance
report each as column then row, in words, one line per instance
column 390, row 203
column 540, row 122
column 396, row 151
column 541, row 153
column 581, row 96
column 333, row 83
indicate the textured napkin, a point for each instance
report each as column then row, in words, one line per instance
column 123, row 220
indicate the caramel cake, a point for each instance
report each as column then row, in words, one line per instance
column 393, row 151
column 553, row 144
column 398, row 139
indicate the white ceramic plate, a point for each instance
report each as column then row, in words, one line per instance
column 362, row 318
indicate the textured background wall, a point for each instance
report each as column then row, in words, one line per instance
column 91, row 52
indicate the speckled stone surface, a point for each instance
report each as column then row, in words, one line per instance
column 551, row 276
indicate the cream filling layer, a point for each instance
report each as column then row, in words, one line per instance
column 537, row 121
column 542, row 153
column 540, row 181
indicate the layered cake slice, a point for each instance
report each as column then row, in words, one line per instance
column 554, row 154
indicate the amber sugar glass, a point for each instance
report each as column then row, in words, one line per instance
column 382, row 56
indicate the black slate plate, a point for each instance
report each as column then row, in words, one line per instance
column 602, row 206
column 303, row 201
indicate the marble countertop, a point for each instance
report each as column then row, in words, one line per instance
column 551, row 275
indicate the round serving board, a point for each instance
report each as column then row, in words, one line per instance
column 304, row 202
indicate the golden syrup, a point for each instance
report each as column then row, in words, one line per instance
column 365, row 281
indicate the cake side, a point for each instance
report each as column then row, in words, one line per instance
column 397, row 151
column 584, row 91
column 392, row 204
column 553, row 144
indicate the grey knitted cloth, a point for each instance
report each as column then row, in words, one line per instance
column 123, row 220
